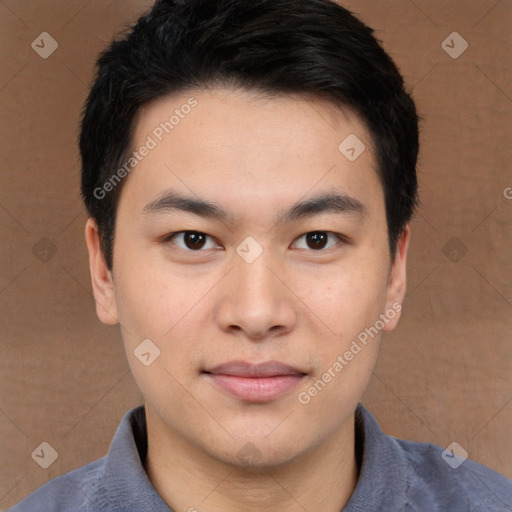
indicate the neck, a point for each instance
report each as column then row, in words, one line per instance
column 188, row 479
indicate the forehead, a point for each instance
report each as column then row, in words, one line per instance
column 238, row 146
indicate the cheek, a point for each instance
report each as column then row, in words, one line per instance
column 346, row 342
column 154, row 306
column 344, row 300
column 170, row 310
column 150, row 299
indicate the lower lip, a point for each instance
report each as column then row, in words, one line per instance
column 255, row 389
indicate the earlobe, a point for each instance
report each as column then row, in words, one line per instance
column 398, row 280
column 101, row 277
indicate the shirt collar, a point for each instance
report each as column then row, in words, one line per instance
column 382, row 479
column 125, row 479
column 381, row 485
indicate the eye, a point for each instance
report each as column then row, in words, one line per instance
column 192, row 240
column 317, row 240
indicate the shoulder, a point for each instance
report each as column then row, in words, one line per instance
column 113, row 483
column 440, row 476
column 75, row 491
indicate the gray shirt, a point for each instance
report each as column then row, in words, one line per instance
column 395, row 475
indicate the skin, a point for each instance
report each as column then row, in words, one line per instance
column 255, row 157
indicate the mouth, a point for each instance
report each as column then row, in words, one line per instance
column 260, row 382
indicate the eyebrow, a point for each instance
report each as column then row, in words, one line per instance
column 324, row 203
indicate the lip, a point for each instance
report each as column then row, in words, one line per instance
column 258, row 382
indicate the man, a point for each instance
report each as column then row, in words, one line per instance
column 249, row 171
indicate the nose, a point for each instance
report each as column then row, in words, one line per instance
column 256, row 301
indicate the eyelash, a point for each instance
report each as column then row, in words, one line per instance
column 341, row 239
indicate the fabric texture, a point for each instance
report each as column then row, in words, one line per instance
column 395, row 475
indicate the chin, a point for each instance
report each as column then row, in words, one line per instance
column 253, row 453
column 254, row 460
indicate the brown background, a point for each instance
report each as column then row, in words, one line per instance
column 444, row 374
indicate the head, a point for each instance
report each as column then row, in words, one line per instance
column 228, row 120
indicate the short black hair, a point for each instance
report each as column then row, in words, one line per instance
column 311, row 47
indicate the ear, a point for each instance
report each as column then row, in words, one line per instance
column 102, row 281
column 397, row 281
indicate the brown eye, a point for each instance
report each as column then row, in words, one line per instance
column 192, row 240
column 317, row 240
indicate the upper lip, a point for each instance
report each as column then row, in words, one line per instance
column 246, row 369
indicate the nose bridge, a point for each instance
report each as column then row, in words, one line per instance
column 254, row 280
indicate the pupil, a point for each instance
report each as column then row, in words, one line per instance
column 317, row 240
column 194, row 240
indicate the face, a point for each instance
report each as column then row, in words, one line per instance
column 254, row 255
